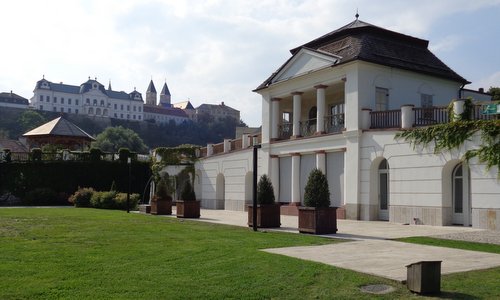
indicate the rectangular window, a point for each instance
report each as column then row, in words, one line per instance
column 62, row 109
column 116, row 106
column 121, row 107
column 55, row 99
column 41, row 107
column 41, row 98
column 48, row 98
column 54, row 108
column 116, row 116
column 287, row 117
column 426, row 103
column 139, row 117
column 128, row 116
column 133, row 117
column 381, row 99
column 76, row 101
column 76, row 110
column 121, row 116
column 69, row 110
column 62, row 100
column 88, row 101
column 128, row 107
column 69, row 101
column 134, row 108
column 140, row 108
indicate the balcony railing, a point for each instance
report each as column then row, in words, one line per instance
column 334, row 123
column 430, row 115
column 285, row 130
column 308, row 127
column 385, row 119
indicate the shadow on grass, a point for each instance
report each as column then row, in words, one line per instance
column 451, row 295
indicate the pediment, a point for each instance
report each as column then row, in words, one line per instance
column 303, row 62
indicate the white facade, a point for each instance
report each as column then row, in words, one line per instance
column 90, row 98
column 342, row 117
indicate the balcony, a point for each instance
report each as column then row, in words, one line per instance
column 332, row 124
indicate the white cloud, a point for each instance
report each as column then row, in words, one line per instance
column 493, row 80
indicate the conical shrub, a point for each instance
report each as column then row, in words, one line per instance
column 265, row 191
column 317, row 193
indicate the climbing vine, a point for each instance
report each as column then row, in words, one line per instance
column 452, row 135
column 183, row 154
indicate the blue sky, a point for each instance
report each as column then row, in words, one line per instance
column 219, row 50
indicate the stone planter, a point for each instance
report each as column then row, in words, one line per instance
column 161, row 207
column 188, row 209
column 317, row 220
column 268, row 215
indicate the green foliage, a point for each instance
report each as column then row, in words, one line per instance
column 317, row 193
column 36, row 154
column 30, row 119
column 41, row 196
column 123, row 154
column 95, row 154
column 265, row 191
column 81, row 198
column 114, row 138
column 121, row 201
column 7, row 155
column 452, row 135
column 103, row 200
column 495, row 93
column 187, row 193
column 162, row 188
column 465, row 115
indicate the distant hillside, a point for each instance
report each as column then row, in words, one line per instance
column 153, row 135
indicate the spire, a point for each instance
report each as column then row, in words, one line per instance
column 151, row 87
column 165, row 90
column 165, row 96
column 109, row 86
column 357, row 14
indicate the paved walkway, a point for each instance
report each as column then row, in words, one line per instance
column 370, row 251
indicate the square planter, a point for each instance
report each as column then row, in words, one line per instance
column 268, row 215
column 424, row 277
column 145, row 208
column 161, row 207
column 188, row 209
column 317, row 220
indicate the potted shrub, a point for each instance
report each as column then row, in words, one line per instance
column 161, row 204
column 268, row 212
column 317, row 216
column 187, row 206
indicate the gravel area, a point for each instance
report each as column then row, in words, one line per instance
column 486, row 236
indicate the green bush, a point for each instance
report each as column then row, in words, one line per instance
column 265, row 191
column 41, row 196
column 162, row 189
column 95, row 154
column 36, row 154
column 121, row 201
column 81, row 198
column 317, row 193
column 123, row 154
column 187, row 193
column 103, row 200
column 7, row 156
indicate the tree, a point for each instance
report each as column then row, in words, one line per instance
column 114, row 138
column 495, row 93
column 317, row 193
column 30, row 119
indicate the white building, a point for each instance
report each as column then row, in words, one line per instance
column 336, row 105
column 90, row 98
column 13, row 100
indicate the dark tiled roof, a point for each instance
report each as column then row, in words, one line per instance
column 13, row 98
column 151, row 87
column 210, row 106
column 359, row 40
column 59, row 127
column 13, row 145
column 183, row 105
column 164, row 90
column 168, row 111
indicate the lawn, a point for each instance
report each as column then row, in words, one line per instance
column 99, row 254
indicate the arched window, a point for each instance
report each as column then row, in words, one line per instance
column 383, row 190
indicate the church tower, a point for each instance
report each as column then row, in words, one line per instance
column 151, row 94
column 165, row 96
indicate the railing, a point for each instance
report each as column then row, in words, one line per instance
column 67, row 156
column 218, row 148
column 478, row 113
column 334, row 123
column 308, row 127
column 386, row 119
column 430, row 115
column 285, row 130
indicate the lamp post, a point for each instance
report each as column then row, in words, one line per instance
column 129, row 162
column 254, row 211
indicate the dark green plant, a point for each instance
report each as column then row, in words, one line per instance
column 95, row 154
column 7, row 155
column 317, row 193
column 162, row 189
column 265, row 191
column 120, row 201
column 81, row 198
column 187, row 193
column 123, row 155
column 36, row 154
column 41, row 196
column 103, row 200
column 466, row 115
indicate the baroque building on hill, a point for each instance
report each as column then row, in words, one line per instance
column 90, row 98
column 13, row 100
column 336, row 104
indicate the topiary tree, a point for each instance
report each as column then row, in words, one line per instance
column 265, row 191
column 162, row 190
column 187, row 193
column 317, row 193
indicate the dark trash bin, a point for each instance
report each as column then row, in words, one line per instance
column 424, row 277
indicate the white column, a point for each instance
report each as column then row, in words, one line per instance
column 295, row 178
column 320, row 105
column 244, row 141
column 210, row 149
column 275, row 175
column 297, row 105
column 275, row 117
column 365, row 118
column 407, row 116
column 227, row 145
column 458, row 109
column 321, row 161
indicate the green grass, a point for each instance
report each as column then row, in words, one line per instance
column 100, row 254
column 453, row 244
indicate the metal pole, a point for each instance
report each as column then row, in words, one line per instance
column 129, row 162
column 254, row 210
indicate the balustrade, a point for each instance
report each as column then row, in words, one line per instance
column 334, row 123
column 386, row 119
column 285, row 130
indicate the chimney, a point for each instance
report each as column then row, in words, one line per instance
column 222, row 103
column 481, row 90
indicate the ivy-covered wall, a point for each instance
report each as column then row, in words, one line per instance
column 64, row 177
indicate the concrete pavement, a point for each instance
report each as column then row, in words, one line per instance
column 370, row 250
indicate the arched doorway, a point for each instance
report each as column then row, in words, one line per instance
column 220, row 192
column 460, row 195
column 383, row 190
